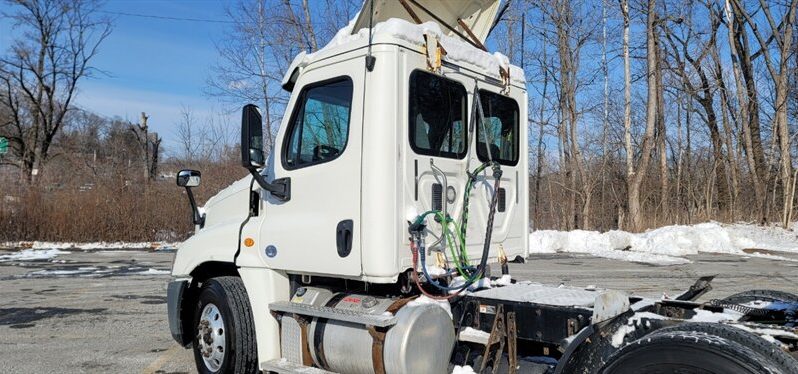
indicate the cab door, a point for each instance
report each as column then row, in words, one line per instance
column 319, row 148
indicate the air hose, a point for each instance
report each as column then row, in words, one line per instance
column 419, row 251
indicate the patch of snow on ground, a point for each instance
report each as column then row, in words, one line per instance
column 668, row 245
column 32, row 255
column 89, row 246
column 155, row 272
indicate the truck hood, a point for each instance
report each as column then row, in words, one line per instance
column 478, row 15
column 231, row 203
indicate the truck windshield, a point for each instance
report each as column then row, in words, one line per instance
column 500, row 129
column 437, row 113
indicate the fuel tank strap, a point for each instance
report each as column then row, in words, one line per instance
column 378, row 337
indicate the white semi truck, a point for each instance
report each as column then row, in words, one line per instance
column 362, row 243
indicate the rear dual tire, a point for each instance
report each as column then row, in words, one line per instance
column 761, row 295
column 701, row 348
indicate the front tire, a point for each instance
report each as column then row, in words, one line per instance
column 224, row 333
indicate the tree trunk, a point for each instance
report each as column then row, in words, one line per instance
column 636, row 180
column 631, row 203
column 748, row 100
column 661, row 136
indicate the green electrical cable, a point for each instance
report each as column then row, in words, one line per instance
column 450, row 237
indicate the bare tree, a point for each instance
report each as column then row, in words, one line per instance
column 634, row 178
column 189, row 134
column 748, row 102
column 627, row 103
column 777, row 67
column 149, row 145
column 703, row 91
column 258, row 48
column 39, row 75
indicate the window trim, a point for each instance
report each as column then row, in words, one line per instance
column 410, row 130
column 516, row 144
column 286, row 142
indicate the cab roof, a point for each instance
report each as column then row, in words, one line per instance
column 403, row 30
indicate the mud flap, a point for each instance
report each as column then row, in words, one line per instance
column 174, row 298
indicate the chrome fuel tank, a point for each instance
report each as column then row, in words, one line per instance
column 421, row 341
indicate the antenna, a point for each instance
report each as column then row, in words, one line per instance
column 523, row 28
column 370, row 60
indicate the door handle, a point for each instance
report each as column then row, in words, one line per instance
column 343, row 237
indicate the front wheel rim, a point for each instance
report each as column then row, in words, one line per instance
column 211, row 337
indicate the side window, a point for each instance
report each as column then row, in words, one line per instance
column 320, row 124
column 438, row 124
column 500, row 129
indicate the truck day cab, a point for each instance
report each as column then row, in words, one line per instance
column 362, row 243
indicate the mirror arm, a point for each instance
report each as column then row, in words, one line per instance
column 197, row 219
column 280, row 188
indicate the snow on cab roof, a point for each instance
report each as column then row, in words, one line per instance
column 458, row 51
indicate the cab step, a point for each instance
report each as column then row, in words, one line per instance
column 283, row 366
column 353, row 316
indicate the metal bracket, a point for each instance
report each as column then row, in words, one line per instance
column 303, row 322
column 699, row 288
column 512, row 340
column 503, row 332
column 505, row 76
column 434, row 52
column 498, row 335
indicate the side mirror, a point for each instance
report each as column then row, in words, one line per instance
column 191, row 178
column 188, row 178
column 251, row 137
column 252, row 156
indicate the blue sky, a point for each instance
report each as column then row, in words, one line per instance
column 153, row 65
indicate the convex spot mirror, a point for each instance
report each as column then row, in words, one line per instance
column 251, row 137
column 188, row 178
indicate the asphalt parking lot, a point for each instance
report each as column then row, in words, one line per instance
column 105, row 311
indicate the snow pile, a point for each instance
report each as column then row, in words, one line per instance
column 463, row 370
column 459, row 281
column 457, row 50
column 639, row 319
column 39, row 245
column 505, row 280
column 670, row 244
column 703, row 315
column 473, row 335
column 620, row 334
column 32, row 255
